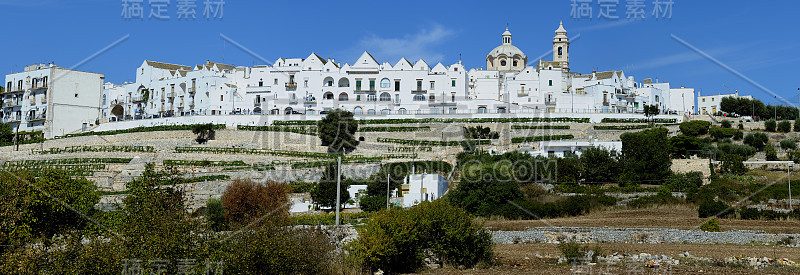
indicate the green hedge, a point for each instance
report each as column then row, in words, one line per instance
column 540, row 138
column 394, row 129
column 46, row 162
column 313, row 164
column 206, row 178
column 540, row 127
column 639, row 120
column 203, row 163
column 99, row 148
column 622, row 127
column 232, row 150
column 297, row 130
column 433, row 142
column 446, row 120
column 144, row 129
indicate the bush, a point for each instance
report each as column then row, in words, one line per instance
column 324, row 192
column 721, row 133
column 733, row 163
column 337, row 129
column 772, row 155
column 681, row 182
column 540, row 138
column 570, row 250
column 745, row 151
column 246, row 201
column 277, row 250
column 741, row 126
column 480, row 132
column 770, row 125
column 215, row 215
column 371, row 203
column 788, row 144
column 712, row 208
column 396, row 240
column 725, row 123
column 711, row 225
column 797, row 125
column 784, row 126
column 694, row 128
column 757, row 140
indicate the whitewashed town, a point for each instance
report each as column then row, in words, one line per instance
column 311, row 86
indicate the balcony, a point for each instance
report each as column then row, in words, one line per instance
column 38, row 88
column 10, row 103
column 418, row 90
column 605, row 102
column 171, row 95
column 192, row 90
column 35, row 118
column 257, row 89
column 310, row 100
column 13, row 119
column 630, row 95
column 550, row 101
column 291, row 86
column 257, row 103
column 138, row 98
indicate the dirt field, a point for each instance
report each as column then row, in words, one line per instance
column 521, row 259
column 676, row 217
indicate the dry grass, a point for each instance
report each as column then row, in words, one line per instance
column 666, row 216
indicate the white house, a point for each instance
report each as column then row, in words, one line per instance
column 560, row 148
column 52, row 99
column 423, row 187
column 709, row 104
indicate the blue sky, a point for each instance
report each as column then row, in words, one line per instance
column 757, row 39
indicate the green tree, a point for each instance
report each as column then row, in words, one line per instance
column 650, row 110
column 599, row 165
column 204, row 132
column 725, row 123
column 733, row 164
column 215, row 214
column 43, row 204
column 485, row 192
column 337, row 131
column 788, row 144
column 770, row 125
column 784, row 126
column 771, row 154
column 757, row 140
column 694, row 128
column 6, row 132
column 324, row 192
column 683, row 146
column 645, row 154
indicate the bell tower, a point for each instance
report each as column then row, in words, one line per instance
column 561, row 47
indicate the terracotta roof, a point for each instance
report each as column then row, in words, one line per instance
column 221, row 66
column 167, row 66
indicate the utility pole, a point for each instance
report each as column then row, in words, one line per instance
column 338, row 186
column 387, row 191
column 788, row 172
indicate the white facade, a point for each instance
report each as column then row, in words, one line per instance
column 560, row 148
column 51, row 99
column 423, row 187
column 709, row 104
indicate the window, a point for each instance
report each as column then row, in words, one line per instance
column 704, row 100
column 260, row 83
column 385, row 83
column 104, row 99
column 385, row 111
column 372, row 84
column 419, row 97
column 433, row 85
column 371, row 111
column 432, row 98
column 19, row 85
column 503, row 63
column 305, row 83
column 515, row 63
column 397, row 85
column 657, row 99
column 343, row 97
column 560, row 51
column 328, row 95
column 550, row 82
column 452, row 83
column 276, row 82
column 482, row 109
column 397, row 98
column 358, row 110
column 371, row 98
column 358, row 84
column 419, row 85
column 221, row 98
column 386, row 97
column 402, row 111
column 358, row 97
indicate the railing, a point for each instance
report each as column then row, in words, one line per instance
column 137, row 98
column 419, row 91
column 39, row 87
column 310, row 101
column 170, row 94
column 550, row 101
column 256, row 103
column 35, row 118
column 291, row 86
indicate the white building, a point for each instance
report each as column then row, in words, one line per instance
column 561, row 148
column 52, row 99
column 709, row 104
column 423, row 187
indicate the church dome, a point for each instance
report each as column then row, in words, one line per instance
column 506, row 57
column 507, row 50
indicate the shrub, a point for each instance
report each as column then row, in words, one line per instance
column 480, row 132
column 770, row 125
column 738, row 135
column 711, row 225
column 204, row 132
column 246, row 201
column 725, row 123
column 733, row 163
column 741, row 126
column 771, row 153
column 646, row 154
column 277, row 250
column 745, row 151
column 215, row 215
column 337, row 129
column 788, row 144
column 371, row 203
column 712, row 208
column 324, row 192
column 681, row 182
column 694, row 128
column 784, row 126
column 540, row 138
column 683, row 146
column 570, row 250
column 396, row 240
column 797, row 125
column 757, row 140
column 720, row 133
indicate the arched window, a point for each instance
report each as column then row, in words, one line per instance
column 371, row 111
column 358, row 111
column 503, row 63
column 402, row 111
column 385, row 83
column 386, row 97
column 385, row 111
column 515, row 63
column 343, row 97
column 419, row 97
column 288, row 111
column 327, row 96
column 310, row 112
column 560, row 51
column 328, row 82
column 344, row 82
